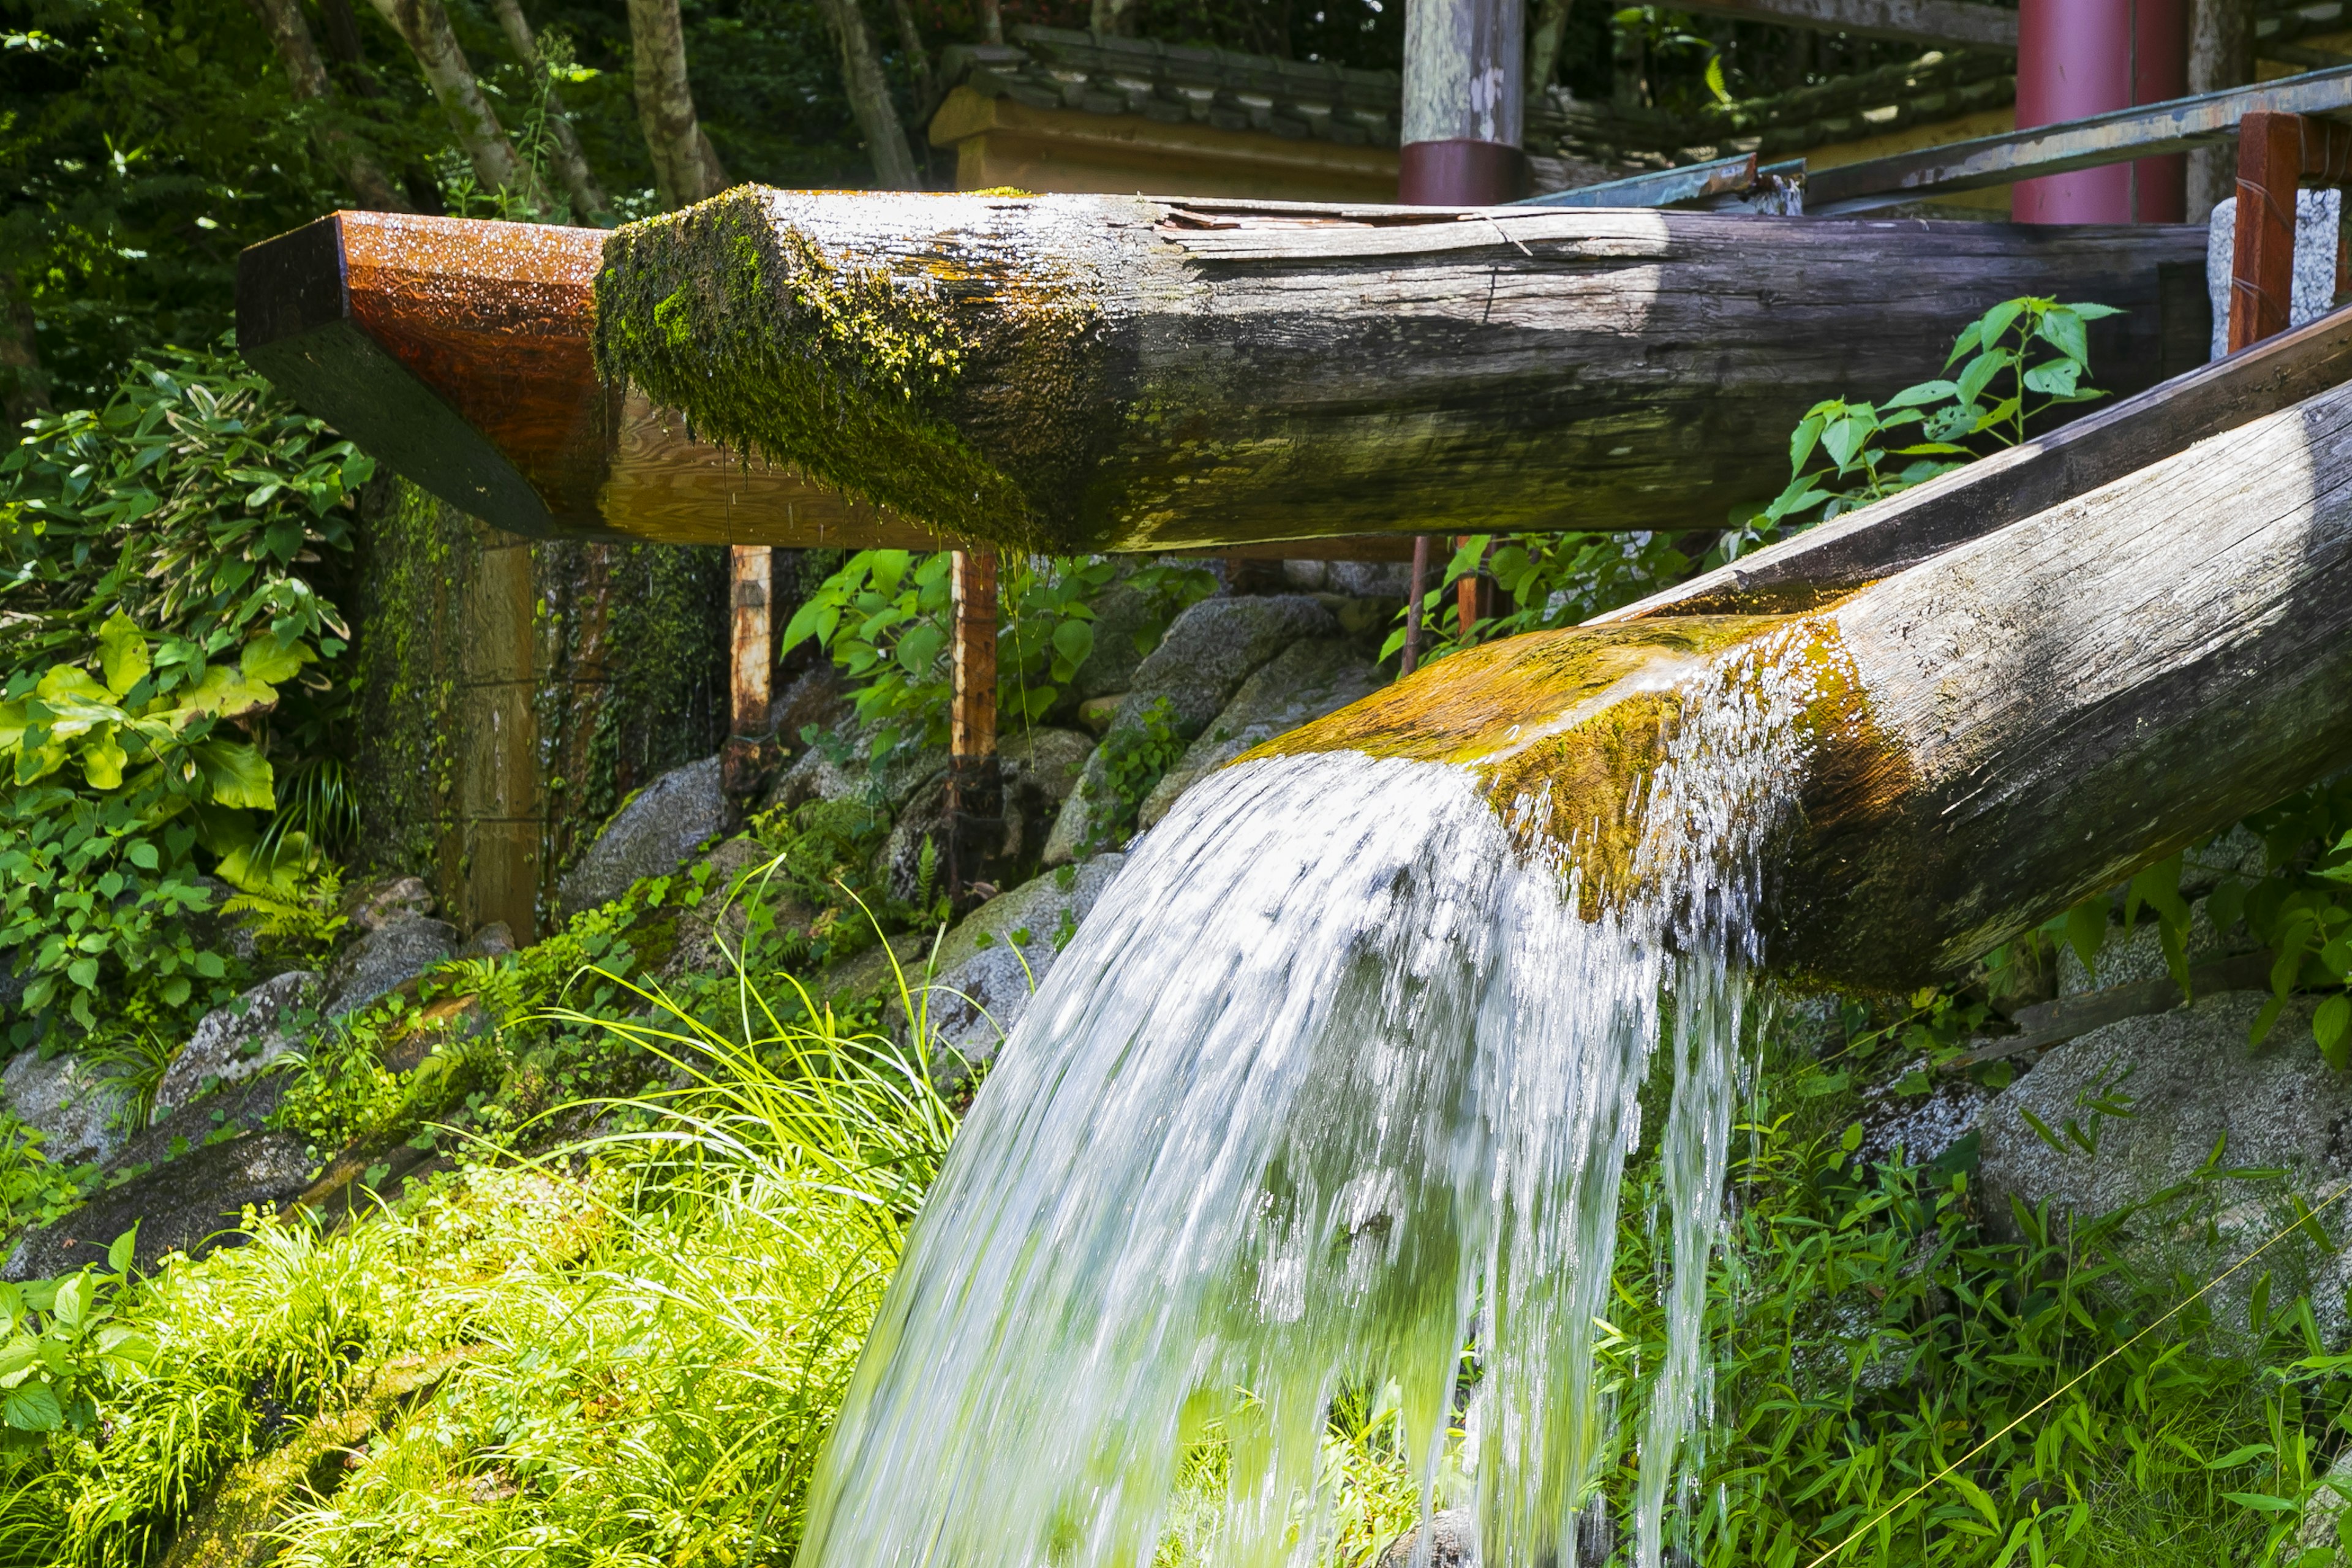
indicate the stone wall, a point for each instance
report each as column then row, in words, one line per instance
column 513, row 694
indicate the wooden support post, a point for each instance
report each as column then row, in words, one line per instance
column 2277, row 155
column 1415, row 609
column 1465, row 600
column 975, row 789
column 750, row 755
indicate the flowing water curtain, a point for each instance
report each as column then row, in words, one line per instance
column 1335, row 1078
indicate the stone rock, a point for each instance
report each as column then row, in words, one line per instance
column 1096, row 713
column 1922, row 1127
column 724, row 914
column 237, row 1041
column 1354, row 579
column 2124, row 959
column 189, row 1204
column 1122, row 612
column 393, row 952
column 867, row 973
column 1453, row 1542
column 1208, row 653
column 1037, row 769
column 75, row 1104
column 815, row 699
column 213, row 929
column 2185, row 1083
column 655, row 834
column 2315, row 261
column 988, row 966
column 379, row 903
column 495, row 940
column 815, row 774
column 1301, row 683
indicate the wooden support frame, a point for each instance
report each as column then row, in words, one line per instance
column 1941, row 24
column 750, row 755
column 2278, row 154
column 975, row 784
column 2124, row 135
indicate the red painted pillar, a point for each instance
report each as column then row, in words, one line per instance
column 2078, row 57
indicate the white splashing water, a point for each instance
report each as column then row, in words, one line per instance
column 1333, row 1079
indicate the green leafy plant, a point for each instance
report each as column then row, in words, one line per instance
column 59, row 1340
column 884, row 618
column 161, row 641
column 1551, row 579
column 1135, row 758
column 2022, row 359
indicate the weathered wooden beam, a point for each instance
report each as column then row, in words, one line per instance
column 459, row 353
column 1096, row 372
column 1973, row 744
column 2123, row 136
column 1939, row 24
column 2118, row 439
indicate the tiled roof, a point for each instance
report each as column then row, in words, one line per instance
column 1571, row 141
column 1053, row 68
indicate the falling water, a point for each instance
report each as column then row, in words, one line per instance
column 1333, row 1079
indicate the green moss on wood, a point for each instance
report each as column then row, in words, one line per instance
column 945, row 389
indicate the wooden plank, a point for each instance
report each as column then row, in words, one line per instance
column 2117, row 440
column 1940, row 24
column 1124, row 374
column 1664, row 188
column 2047, row 1023
column 2122, row 136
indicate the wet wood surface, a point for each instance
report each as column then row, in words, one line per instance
column 1131, row 374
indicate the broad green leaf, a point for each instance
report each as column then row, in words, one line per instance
column 119, row 1255
column 2095, row 312
column 234, row 775
column 1967, row 341
column 32, row 1407
column 72, row 1301
column 1802, row 440
column 223, row 693
column 2062, row 329
column 2055, row 379
column 2262, row 1503
column 2240, row 1456
column 1978, row 373
column 1926, row 391
column 1998, row 320
column 1075, row 640
column 102, row 761
column 266, row 661
column 2329, row 1022
column 2086, row 931
column 1845, row 439
column 122, row 653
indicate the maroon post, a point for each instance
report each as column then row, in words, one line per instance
column 2079, row 57
column 1465, row 95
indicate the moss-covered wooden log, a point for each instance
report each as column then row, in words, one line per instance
column 1989, row 736
column 1124, row 373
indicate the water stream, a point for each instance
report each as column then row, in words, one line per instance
column 1334, row 1080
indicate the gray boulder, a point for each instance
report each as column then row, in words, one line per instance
column 1038, row 769
column 988, row 966
column 393, row 952
column 655, row 834
column 1453, row 1542
column 1123, row 614
column 388, row 899
column 1354, row 579
column 2138, row 1110
column 237, row 1041
column 1301, row 683
column 76, row 1105
column 185, row 1205
column 1208, row 653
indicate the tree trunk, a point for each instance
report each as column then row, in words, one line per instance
column 306, row 77
column 2221, row 54
column 1098, row 373
column 424, row 27
column 910, row 38
column 1974, row 745
column 588, row 199
column 685, row 170
column 359, row 77
column 24, row 389
column 1543, row 47
column 991, row 21
column 1114, row 18
column 869, row 97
